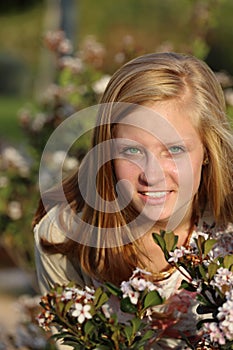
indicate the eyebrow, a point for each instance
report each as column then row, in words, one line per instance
column 124, row 140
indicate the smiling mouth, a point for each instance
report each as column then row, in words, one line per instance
column 157, row 194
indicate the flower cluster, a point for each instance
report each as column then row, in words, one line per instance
column 131, row 289
column 134, row 316
column 139, row 314
column 77, row 301
column 107, row 317
column 207, row 265
column 222, row 330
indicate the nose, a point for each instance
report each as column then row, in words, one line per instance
column 153, row 172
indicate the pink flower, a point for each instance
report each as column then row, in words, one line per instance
column 215, row 333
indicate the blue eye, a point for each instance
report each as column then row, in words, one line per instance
column 132, row 150
column 176, row 149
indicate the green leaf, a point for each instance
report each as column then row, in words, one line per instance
column 212, row 268
column 228, row 345
column 153, row 298
column 114, row 290
column 136, row 323
column 128, row 330
column 102, row 300
column 205, row 309
column 67, row 306
column 203, row 272
column 203, row 300
column 97, row 294
column 75, row 345
column 127, row 306
column 58, row 289
column 208, row 245
column 200, row 242
column 89, row 327
column 228, row 261
column 159, row 240
column 187, row 286
column 62, row 335
column 147, row 336
column 71, row 284
column 60, row 307
column 100, row 297
column 170, row 241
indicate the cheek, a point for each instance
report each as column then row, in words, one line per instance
column 125, row 170
column 188, row 175
column 127, row 175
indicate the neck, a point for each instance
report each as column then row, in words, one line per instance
column 179, row 221
column 152, row 255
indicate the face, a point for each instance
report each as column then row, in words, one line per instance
column 158, row 161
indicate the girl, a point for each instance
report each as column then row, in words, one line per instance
column 162, row 154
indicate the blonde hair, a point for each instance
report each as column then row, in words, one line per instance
column 153, row 77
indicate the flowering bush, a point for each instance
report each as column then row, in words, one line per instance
column 137, row 315
column 80, row 79
column 17, row 179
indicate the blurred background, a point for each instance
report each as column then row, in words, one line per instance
column 56, row 58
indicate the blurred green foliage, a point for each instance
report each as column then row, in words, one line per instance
column 205, row 24
column 10, row 129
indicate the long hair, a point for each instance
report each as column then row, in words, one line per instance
column 152, row 77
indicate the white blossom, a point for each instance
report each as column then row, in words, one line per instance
column 14, row 210
column 139, row 284
column 215, row 333
column 3, row 181
column 38, row 122
column 141, row 271
column 107, row 310
column 177, row 254
column 12, row 157
column 223, row 277
column 229, row 96
column 65, row 46
column 133, row 296
column 127, row 290
column 75, row 64
column 100, row 85
column 225, row 316
column 125, row 287
column 67, row 294
column 81, row 312
column 70, row 163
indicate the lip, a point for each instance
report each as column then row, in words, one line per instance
column 154, row 197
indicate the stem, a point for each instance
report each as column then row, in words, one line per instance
column 183, row 273
column 71, row 329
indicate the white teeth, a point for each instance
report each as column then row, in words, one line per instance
column 155, row 194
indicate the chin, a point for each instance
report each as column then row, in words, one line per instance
column 156, row 215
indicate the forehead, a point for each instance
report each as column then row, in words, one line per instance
column 165, row 121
